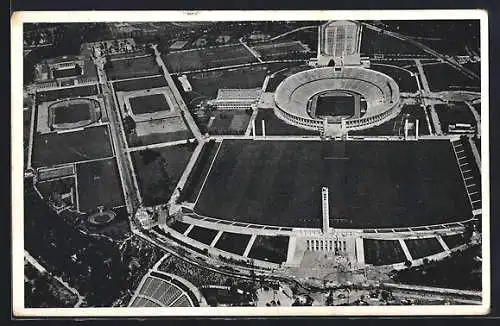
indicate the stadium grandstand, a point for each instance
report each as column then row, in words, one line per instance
column 159, row 289
column 380, row 92
column 339, row 43
column 65, row 71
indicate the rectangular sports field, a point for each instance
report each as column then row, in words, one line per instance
column 209, row 83
column 57, row 94
column 371, row 183
column 133, row 67
column 87, row 144
column 279, row 48
column 98, row 185
column 208, row 58
column 149, row 103
column 335, row 105
column 71, row 113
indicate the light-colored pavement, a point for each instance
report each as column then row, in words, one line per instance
column 252, row 51
column 426, row 90
column 292, row 31
column 159, row 145
column 130, row 190
column 177, row 97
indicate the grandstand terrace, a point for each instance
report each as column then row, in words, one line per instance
column 159, row 289
column 340, row 42
column 380, row 92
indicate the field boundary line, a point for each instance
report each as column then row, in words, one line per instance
column 208, row 173
column 121, row 131
column 92, row 160
column 34, row 116
column 133, row 78
column 160, row 145
column 77, row 196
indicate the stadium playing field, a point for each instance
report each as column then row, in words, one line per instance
column 87, row 144
column 133, row 67
column 371, row 183
column 334, row 105
column 98, row 185
column 71, row 113
column 208, row 58
column 149, row 103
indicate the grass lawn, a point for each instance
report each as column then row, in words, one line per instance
column 233, row 242
column 383, row 252
column 72, row 113
column 99, row 185
column 419, row 248
column 208, row 83
column 202, row 235
column 269, row 248
column 90, row 143
column 159, row 170
column 131, row 68
column 443, row 77
column 208, row 58
column 52, row 95
column 275, row 126
column 149, row 103
column 142, row 83
column 229, row 122
column 372, row 183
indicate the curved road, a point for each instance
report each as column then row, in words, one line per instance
column 425, row 48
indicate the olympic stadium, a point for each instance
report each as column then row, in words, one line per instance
column 272, row 201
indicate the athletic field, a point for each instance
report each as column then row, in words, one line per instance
column 208, row 58
column 98, row 185
column 71, row 113
column 149, row 103
column 133, row 67
column 87, row 144
column 371, row 183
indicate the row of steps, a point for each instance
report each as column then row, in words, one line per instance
column 469, row 171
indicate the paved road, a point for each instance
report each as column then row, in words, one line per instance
column 178, row 98
column 125, row 170
column 427, row 49
column 292, row 31
column 427, row 91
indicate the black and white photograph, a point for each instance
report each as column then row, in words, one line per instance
column 250, row 163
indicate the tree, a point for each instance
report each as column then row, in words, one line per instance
column 128, row 124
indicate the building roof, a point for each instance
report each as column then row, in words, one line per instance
column 178, row 45
column 236, row 94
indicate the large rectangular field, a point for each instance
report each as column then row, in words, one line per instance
column 208, row 58
column 57, row 94
column 71, row 113
column 209, row 83
column 98, row 185
column 149, row 103
column 371, row 183
column 133, row 67
column 87, row 144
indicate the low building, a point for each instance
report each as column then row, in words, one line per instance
column 178, row 45
column 230, row 99
column 144, row 219
column 185, row 83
